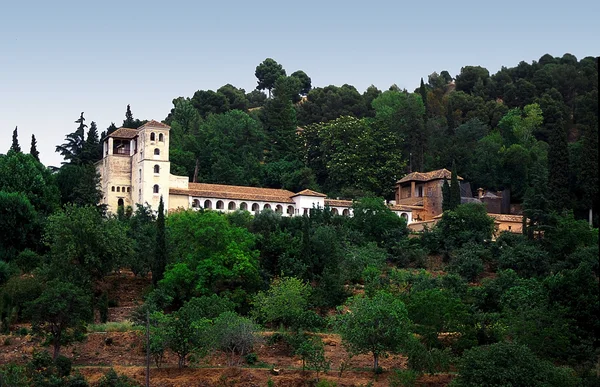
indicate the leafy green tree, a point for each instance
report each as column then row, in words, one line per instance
column 467, row 223
column 536, row 203
column 209, row 102
column 60, row 313
column 284, row 302
column 324, row 104
column 446, row 201
column 256, row 98
column 22, row 173
column 267, row 74
column 33, row 150
column 279, row 118
column 468, row 77
column 376, row 325
column 208, row 255
column 377, row 222
column 160, row 254
column 304, row 81
column 15, row 142
column 312, row 354
column 84, row 246
column 504, row 364
column 142, row 231
column 236, row 97
column 589, row 169
column 92, row 149
column 79, row 184
column 19, row 225
column 468, row 261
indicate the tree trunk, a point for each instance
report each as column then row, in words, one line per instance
column 375, row 361
column 181, row 361
column 590, row 217
column 56, row 346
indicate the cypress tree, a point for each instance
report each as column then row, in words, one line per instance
column 589, row 169
column 160, row 256
column 454, row 188
column 129, row 122
column 558, row 166
column 15, row 142
column 92, row 151
column 446, row 200
column 423, row 92
column 33, row 151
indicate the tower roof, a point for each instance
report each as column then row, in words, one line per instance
column 428, row 176
column 154, row 124
column 124, row 133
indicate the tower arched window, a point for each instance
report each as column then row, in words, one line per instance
column 155, row 189
column 156, row 152
column 220, row 205
column 152, row 136
column 113, row 188
column 118, row 189
column 156, row 168
column 161, row 137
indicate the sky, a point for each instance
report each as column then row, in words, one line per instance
column 61, row 58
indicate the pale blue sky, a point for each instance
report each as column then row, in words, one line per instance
column 60, row 58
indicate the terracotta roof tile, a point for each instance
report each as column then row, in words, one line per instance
column 308, row 192
column 338, row 203
column 428, row 176
column 397, row 207
column 155, row 124
column 507, row 218
column 235, row 192
column 124, row 133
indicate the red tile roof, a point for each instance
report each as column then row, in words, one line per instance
column 235, row 192
column 338, row 203
column 124, row 133
column 308, row 192
column 155, row 124
column 507, row 218
column 428, row 176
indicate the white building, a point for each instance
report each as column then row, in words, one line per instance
column 135, row 169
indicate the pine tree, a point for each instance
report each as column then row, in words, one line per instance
column 558, row 167
column 446, row 200
column 160, row 256
column 454, row 189
column 536, row 204
column 589, row 169
column 423, row 92
column 15, row 147
column 73, row 148
column 92, row 151
column 129, row 121
column 33, row 151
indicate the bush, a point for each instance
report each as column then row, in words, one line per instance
column 234, row 335
column 468, row 261
column 112, row 379
column 63, row 365
column 403, row 378
column 251, row 358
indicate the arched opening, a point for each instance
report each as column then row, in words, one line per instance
column 156, row 152
column 128, row 189
column 123, row 189
column 195, row 203
column 207, row 204
column 244, row 206
column 267, row 207
column 346, row 212
column 161, row 137
column 290, row 210
column 305, row 212
column 113, row 188
column 231, row 206
column 120, row 203
column 404, row 216
column 220, row 205
column 279, row 209
column 157, row 169
column 118, row 189
column 152, row 136
column 334, row 211
column 155, row 189
column 255, row 207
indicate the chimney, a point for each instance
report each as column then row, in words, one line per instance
column 480, row 192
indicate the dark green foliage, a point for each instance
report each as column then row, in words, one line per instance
column 510, row 364
column 267, row 74
column 33, row 150
column 79, row 184
column 15, row 147
column 468, row 261
column 468, row 223
column 527, row 260
column 60, row 313
column 446, row 201
column 235, row 335
column 160, row 254
column 454, row 189
column 129, row 121
column 19, row 225
column 112, row 379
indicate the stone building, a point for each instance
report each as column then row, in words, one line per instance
column 135, row 169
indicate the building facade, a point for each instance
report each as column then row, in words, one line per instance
column 135, row 169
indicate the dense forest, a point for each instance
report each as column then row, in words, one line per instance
column 456, row 299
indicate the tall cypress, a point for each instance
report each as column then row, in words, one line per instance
column 15, row 142
column 558, row 166
column 589, row 169
column 446, row 200
column 33, row 151
column 160, row 254
column 129, row 122
column 423, row 92
column 454, row 188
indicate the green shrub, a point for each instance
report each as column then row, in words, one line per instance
column 112, row 379
column 251, row 358
column 403, row 378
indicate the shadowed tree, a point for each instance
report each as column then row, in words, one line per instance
column 72, row 149
column 33, row 151
column 160, row 258
column 15, row 141
column 267, row 73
